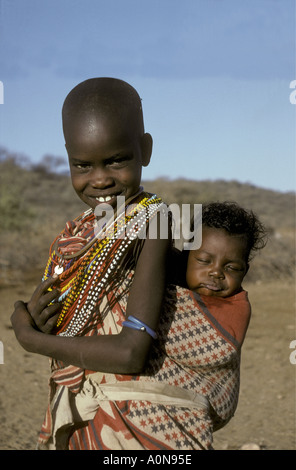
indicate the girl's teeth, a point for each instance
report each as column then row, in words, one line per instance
column 104, row 199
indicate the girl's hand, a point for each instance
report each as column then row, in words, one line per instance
column 21, row 319
column 22, row 323
column 43, row 312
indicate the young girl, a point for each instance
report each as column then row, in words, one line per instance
column 68, row 314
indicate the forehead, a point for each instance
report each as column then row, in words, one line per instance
column 215, row 239
column 95, row 130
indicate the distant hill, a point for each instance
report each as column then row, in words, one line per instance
column 36, row 200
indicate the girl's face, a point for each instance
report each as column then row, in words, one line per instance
column 218, row 267
column 106, row 160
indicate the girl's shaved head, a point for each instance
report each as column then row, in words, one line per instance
column 107, row 99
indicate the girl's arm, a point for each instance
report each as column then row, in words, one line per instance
column 124, row 353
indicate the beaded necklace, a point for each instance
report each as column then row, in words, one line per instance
column 85, row 274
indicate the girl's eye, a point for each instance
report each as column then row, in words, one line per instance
column 119, row 162
column 82, row 166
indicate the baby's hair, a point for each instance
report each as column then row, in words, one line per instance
column 236, row 221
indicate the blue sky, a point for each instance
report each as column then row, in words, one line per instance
column 214, row 77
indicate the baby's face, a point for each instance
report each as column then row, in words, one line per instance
column 218, row 267
column 105, row 161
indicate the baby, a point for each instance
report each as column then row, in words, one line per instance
column 216, row 270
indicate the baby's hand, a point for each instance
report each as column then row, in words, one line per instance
column 42, row 310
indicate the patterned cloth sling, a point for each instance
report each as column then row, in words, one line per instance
column 195, row 363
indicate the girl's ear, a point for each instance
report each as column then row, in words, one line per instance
column 146, row 148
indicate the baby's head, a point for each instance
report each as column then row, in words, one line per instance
column 105, row 140
column 230, row 235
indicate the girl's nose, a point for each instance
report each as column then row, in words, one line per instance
column 101, row 178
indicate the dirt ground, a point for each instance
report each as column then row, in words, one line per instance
column 265, row 418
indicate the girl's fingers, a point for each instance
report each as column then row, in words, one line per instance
column 42, row 296
column 48, row 312
column 44, row 286
column 50, row 324
column 49, row 297
column 48, row 318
